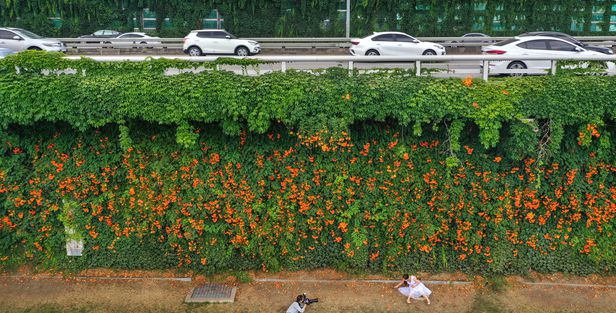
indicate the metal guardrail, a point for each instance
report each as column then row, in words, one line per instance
column 482, row 60
column 294, row 43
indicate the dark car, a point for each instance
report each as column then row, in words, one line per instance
column 103, row 34
column 570, row 39
column 474, row 35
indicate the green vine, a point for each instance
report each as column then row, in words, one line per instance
column 94, row 96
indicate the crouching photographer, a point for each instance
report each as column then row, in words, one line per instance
column 300, row 304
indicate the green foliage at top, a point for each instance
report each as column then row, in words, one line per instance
column 36, row 88
column 314, row 18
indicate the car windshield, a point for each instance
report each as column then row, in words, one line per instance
column 28, row 34
column 573, row 40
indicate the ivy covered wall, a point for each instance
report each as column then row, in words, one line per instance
column 308, row 18
column 383, row 171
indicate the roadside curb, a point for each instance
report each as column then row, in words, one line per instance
column 568, row 285
column 431, row 282
column 182, row 279
column 318, row 281
column 379, row 281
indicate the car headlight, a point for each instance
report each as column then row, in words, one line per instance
column 439, row 47
column 55, row 44
column 252, row 42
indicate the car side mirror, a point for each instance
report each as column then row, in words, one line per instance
column 17, row 38
column 228, row 37
column 578, row 49
column 415, row 41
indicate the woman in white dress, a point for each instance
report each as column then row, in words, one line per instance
column 413, row 288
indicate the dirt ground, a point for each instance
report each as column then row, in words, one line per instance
column 38, row 294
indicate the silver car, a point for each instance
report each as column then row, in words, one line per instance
column 18, row 39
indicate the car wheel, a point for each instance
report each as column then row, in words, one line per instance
column 429, row 52
column 242, row 52
column 195, row 51
column 35, row 48
column 372, row 52
column 517, row 65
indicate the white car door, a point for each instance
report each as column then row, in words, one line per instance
column 224, row 42
column 206, row 42
column 558, row 47
column 538, row 47
column 7, row 40
column 407, row 45
column 385, row 44
column 138, row 39
column 124, row 43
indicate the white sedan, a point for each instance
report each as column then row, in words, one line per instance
column 519, row 47
column 394, row 44
column 138, row 38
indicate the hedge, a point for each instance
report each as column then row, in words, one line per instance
column 217, row 171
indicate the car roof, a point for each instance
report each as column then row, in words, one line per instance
column 533, row 37
column 135, row 33
column 208, row 30
column 521, row 39
column 392, row 32
column 537, row 33
column 374, row 34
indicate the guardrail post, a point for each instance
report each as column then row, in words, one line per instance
column 350, row 68
column 553, row 67
column 283, row 66
column 485, row 70
column 417, row 68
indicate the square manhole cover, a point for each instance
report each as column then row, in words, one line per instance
column 212, row 292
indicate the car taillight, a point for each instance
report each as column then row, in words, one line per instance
column 495, row 52
column 185, row 38
column 355, row 43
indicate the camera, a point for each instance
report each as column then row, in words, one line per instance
column 308, row 300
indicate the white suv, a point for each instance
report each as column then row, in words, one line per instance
column 217, row 41
column 18, row 39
